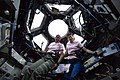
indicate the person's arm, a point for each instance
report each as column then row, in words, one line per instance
column 66, row 52
column 59, row 60
column 62, row 54
column 88, row 51
column 61, row 57
column 45, row 51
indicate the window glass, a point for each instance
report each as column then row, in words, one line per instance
column 76, row 19
column 37, row 19
column 58, row 27
column 40, row 41
column 78, row 38
column 59, row 7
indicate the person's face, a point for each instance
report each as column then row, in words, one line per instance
column 71, row 38
column 57, row 39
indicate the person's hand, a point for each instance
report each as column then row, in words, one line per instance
column 98, row 53
column 55, row 66
column 44, row 52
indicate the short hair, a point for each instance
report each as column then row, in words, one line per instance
column 58, row 36
column 69, row 34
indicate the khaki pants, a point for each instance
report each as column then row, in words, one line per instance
column 36, row 70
